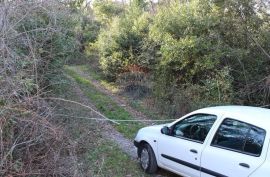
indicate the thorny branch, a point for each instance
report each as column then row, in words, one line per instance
column 30, row 144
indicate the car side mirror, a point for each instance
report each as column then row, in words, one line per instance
column 166, row 130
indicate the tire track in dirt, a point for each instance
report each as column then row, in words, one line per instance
column 109, row 132
column 118, row 99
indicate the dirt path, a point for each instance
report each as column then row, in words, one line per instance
column 118, row 99
column 108, row 131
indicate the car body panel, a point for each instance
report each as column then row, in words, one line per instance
column 175, row 153
column 210, row 161
column 230, row 159
column 264, row 169
column 152, row 134
column 226, row 163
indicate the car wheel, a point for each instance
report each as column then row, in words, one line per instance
column 147, row 159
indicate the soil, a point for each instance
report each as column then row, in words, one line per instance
column 109, row 132
column 121, row 101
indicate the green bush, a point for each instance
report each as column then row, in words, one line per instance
column 121, row 44
column 106, row 10
column 213, row 52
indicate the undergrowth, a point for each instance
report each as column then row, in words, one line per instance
column 96, row 156
column 112, row 161
column 146, row 105
column 106, row 105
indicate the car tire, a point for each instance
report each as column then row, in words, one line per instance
column 147, row 158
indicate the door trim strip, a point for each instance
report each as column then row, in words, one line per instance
column 195, row 167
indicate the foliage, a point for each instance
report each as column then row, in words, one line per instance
column 106, row 10
column 211, row 53
column 106, row 105
column 121, row 45
column 96, row 153
column 35, row 39
column 191, row 54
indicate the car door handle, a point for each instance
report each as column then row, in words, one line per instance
column 244, row 165
column 193, row 151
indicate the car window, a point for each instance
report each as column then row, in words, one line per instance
column 239, row 136
column 195, row 127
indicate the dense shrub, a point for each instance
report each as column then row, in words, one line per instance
column 207, row 52
column 191, row 54
column 106, row 10
column 35, row 38
column 121, row 44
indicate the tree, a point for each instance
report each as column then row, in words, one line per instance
column 106, row 10
column 121, row 44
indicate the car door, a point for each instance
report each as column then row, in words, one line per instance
column 181, row 150
column 235, row 151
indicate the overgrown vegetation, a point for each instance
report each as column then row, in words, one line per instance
column 106, row 105
column 192, row 53
column 96, row 155
column 168, row 57
column 108, row 160
column 35, row 39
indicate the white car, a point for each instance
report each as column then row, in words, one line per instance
column 216, row 141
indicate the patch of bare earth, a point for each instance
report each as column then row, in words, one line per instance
column 108, row 131
column 121, row 101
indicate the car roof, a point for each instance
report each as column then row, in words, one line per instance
column 254, row 115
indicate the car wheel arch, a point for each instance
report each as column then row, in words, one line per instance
column 151, row 143
column 144, row 145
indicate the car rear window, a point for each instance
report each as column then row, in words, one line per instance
column 239, row 136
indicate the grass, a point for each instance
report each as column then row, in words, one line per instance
column 106, row 105
column 97, row 75
column 112, row 162
column 97, row 157
column 137, row 104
